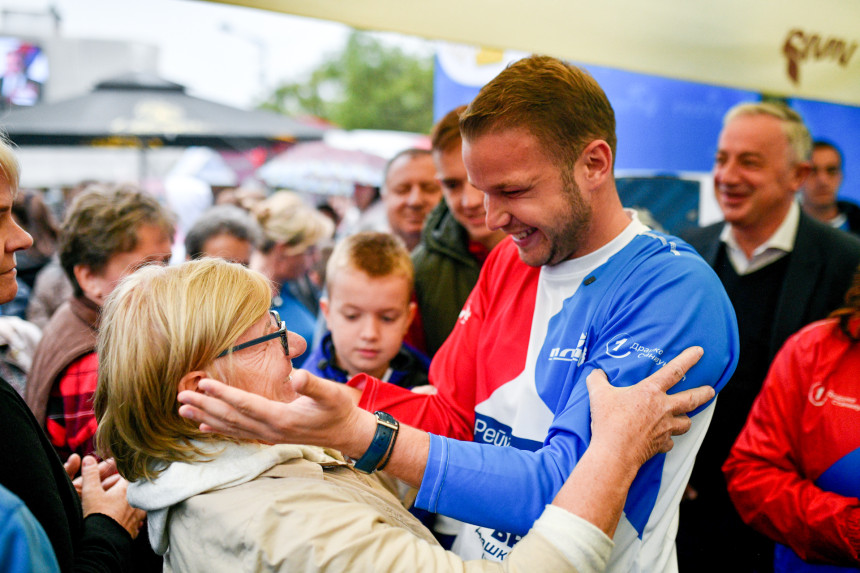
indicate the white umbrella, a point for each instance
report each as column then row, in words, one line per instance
column 333, row 166
column 317, row 167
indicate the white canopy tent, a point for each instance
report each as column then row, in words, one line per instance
column 791, row 48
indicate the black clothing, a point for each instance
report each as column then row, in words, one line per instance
column 818, row 276
column 852, row 213
column 754, row 298
column 31, row 470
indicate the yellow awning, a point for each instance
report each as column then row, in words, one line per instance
column 793, row 48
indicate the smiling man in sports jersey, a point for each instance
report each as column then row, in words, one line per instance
column 580, row 285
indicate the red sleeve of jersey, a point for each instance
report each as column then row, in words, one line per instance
column 451, row 411
column 430, row 413
column 770, row 490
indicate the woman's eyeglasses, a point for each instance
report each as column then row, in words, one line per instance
column 282, row 332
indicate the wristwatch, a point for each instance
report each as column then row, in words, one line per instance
column 383, row 443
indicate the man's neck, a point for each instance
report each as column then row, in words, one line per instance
column 751, row 237
column 411, row 240
column 824, row 213
column 609, row 219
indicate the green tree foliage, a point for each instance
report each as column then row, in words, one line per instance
column 367, row 85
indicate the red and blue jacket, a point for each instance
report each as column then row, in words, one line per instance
column 794, row 471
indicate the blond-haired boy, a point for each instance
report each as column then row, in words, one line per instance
column 368, row 308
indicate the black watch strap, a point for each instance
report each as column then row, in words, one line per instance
column 383, row 442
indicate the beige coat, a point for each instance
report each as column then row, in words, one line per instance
column 320, row 515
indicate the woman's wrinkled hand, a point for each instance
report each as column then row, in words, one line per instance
column 107, row 472
column 639, row 421
column 110, row 501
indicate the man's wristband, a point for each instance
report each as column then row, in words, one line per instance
column 382, row 443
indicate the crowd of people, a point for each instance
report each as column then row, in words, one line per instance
column 487, row 364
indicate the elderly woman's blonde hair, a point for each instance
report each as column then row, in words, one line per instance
column 9, row 170
column 159, row 324
column 286, row 218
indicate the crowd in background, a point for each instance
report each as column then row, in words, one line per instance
column 375, row 285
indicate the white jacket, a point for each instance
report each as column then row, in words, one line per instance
column 301, row 508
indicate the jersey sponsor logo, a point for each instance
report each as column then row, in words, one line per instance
column 496, row 544
column 465, row 314
column 617, row 347
column 819, row 395
column 489, row 431
column 571, row 354
column 622, row 346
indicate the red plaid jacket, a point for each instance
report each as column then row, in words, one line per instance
column 71, row 422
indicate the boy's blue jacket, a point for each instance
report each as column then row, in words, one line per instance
column 408, row 368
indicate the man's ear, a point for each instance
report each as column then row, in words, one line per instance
column 596, row 160
column 92, row 284
column 800, row 174
column 190, row 380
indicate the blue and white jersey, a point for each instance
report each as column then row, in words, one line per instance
column 526, row 340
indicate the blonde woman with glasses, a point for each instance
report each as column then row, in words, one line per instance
column 219, row 504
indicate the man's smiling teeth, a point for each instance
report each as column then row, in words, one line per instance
column 523, row 234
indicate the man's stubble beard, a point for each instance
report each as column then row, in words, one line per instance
column 578, row 221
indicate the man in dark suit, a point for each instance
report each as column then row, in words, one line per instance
column 782, row 269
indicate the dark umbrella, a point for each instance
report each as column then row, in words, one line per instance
column 142, row 110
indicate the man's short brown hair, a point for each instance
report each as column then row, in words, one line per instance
column 827, row 144
column 102, row 222
column 559, row 103
column 446, row 133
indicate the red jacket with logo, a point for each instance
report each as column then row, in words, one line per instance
column 794, row 471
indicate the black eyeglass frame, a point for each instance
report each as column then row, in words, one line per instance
column 282, row 332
